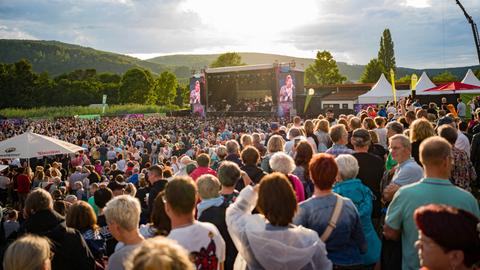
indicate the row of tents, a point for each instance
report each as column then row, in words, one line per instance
column 382, row 92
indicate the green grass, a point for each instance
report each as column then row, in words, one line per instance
column 113, row 110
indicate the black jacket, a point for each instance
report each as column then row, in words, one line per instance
column 475, row 155
column 156, row 188
column 216, row 216
column 69, row 249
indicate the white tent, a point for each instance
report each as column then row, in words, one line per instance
column 3, row 167
column 381, row 92
column 30, row 145
column 470, row 78
column 423, row 84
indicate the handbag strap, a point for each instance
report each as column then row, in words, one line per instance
column 333, row 220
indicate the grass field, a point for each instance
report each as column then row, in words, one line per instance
column 113, row 110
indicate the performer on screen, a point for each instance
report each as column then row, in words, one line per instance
column 286, row 97
column 286, row 91
column 195, row 94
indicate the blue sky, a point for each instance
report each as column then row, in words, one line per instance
column 426, row 33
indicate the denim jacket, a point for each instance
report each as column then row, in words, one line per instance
column 347, row 241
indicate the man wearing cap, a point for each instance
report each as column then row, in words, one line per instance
column 118, row 188
column 157, row 184
column 371, row 167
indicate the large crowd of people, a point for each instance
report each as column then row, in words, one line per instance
column 393, row 187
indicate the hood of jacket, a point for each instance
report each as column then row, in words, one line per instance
column 284, row 248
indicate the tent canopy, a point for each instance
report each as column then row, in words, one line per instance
column 454, row 88
column 381, row 92
column 423, row 84
column 30, row 145
column 3, row 167
column 470, row 78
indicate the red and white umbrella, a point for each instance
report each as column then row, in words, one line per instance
column 453, row 86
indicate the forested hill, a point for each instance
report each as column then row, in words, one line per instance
column 57, row 58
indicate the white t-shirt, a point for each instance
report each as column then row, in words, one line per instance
column 203, row 241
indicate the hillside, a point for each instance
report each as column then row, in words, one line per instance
column 352, row 72
column 57, row 57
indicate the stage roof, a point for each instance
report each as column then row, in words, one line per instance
column 245, row 68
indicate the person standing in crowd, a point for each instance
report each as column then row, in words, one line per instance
column 461, row 109
column 463, row 173
column 203, row 161
column 251, row 158
column 393, row 128
column 407, row 171
column 202, row 240
column 333, row 217
column 349, row 186
column 436, row 157
column 69, row 248
column 157, row 184
column 275, row 144
column 233, row 150
column 371, row 169
column 448, row 237
column 260, row 239
column 420, row 129
column 338, row 134
column 322, row 132
column 228, row 175
column 304, row 154
column 28, row 253
column 283, row 163
column 212, row 208
column 123, row 215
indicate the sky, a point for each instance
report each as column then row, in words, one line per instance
column 426, row 33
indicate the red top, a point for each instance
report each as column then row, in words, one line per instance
column 201, row 171
column 23, row 183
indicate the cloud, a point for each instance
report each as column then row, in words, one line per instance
column 426, row 33
column 13, row 33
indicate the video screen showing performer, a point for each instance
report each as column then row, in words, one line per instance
column 195, row 93
column 195, row 97
column 285, row 97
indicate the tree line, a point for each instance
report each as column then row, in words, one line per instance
column 21, row 87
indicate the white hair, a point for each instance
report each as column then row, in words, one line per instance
column 347, row 166
column 281, row 162
column 124, row 211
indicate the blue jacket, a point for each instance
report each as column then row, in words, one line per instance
column 362, row 197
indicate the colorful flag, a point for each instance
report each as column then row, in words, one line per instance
column 413, row 83
column 394, row 91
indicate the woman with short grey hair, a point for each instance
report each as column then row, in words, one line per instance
column 283, row 163
column 351, row 187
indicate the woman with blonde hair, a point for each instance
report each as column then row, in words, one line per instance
column 159, row 253
column 321, row 131
column 311, row 137
column 420, row 130
column 28, row 253
column 275, row 144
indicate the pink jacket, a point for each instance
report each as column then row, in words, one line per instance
column 298, row 187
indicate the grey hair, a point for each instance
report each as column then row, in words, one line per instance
column 347, row 166
column 404, row 140
column 281, row 162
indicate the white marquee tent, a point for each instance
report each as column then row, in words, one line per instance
column 423, row 84
column 470, row 78
column 381, row 92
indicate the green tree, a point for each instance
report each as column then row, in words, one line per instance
column 137, row 87
column 477, row 73
column 386, row 53
column 445, row 77
column 405, row 79
column 228, row 59
column 166, row 88
column 372, row 72
column 323, row 70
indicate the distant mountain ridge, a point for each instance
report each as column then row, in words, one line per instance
column 57, row 57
